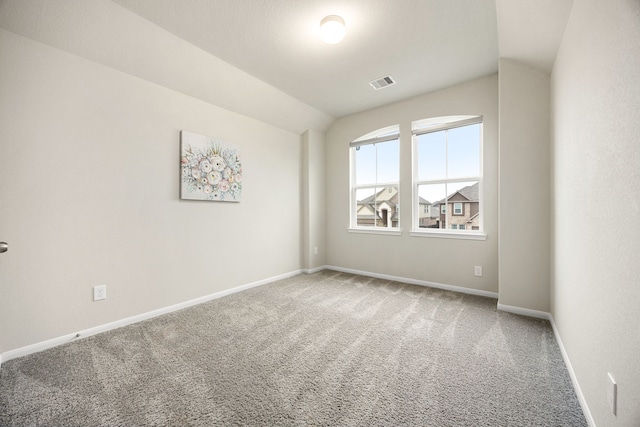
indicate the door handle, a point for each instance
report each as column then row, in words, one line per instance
column 4, row 247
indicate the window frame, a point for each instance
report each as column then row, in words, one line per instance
column 437, row 125
column 387, row 134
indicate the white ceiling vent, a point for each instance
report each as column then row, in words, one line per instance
column 382, row 82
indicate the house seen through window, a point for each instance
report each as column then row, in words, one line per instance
column 375, row 175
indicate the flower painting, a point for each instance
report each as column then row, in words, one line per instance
column 210, row 169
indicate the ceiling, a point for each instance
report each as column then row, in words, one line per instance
column 424, row 44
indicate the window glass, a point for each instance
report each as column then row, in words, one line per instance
column 463, row 152
column 388, row 161
column 365, row 164
column 432, row 153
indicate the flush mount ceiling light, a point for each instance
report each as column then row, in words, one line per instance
column 332, row 29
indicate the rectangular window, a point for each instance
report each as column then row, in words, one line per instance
column 375, row 176
column 447, row 160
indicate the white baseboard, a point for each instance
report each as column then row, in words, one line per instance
column 471, row 291
column 44, row 345
column 314, row 270
column 572, row 374
column 524, row 311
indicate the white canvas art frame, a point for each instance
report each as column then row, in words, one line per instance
column 210, row 169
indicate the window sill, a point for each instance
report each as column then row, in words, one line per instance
column 361, row 230
column 467, row 235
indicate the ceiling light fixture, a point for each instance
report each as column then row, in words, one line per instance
column 332, row 29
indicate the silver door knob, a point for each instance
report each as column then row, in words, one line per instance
column 4, row 247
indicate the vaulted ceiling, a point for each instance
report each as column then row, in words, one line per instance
column 424, row 44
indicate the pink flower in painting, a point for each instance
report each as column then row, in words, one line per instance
column 237, row 177
column 208, row 189
column 184, row 161
column 195, row 173
column 223, row 186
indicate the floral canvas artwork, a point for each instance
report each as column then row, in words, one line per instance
column 211, row 169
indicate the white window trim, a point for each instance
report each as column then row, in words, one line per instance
column 449, row 234
column 376, row 230
column 466, row 234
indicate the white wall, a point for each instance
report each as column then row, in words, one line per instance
column 445, row 261
column 89, row 176
column 524, row 186
column 595, row 210
column 313, row 200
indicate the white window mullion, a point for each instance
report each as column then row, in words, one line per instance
column 446, row 174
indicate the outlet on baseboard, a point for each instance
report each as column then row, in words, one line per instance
column 478, row 271
column 612, row 393
column 99, row 292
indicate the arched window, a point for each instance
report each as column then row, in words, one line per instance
column 375, row 176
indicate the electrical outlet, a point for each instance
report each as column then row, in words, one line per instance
column 315, row 250
column 478, row 271
column 99, row 292
column 612, row 393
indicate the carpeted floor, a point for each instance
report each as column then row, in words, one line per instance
column 323, row 349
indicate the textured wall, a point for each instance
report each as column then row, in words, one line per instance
column 595, row 290
column 313, row 200
column 89, row 181
column 524, row 186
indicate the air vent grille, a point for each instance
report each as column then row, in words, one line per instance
column 382, row 82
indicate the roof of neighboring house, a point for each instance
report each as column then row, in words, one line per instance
column 470, row 192
column 393, row 200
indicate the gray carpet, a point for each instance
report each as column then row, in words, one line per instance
column 323, row 349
